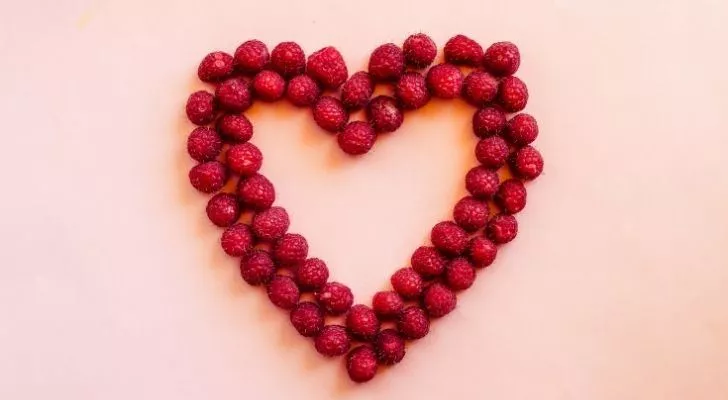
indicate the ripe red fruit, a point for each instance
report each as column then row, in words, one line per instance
column 407, row 283
column 290, row 249
column 356, row 92
column 257, row 268
column 327, row 67
column 384, row 115
column 235, row 128
column 269, row 225
column 234, row 95
column 427, row 261
column 411, row 91
column 488, row 121
column 522, row 129
column 283, row 292
column 357, row 138
column 471, row 214
column 288, row 59
column 204, row 144
column 307, row 318
column 449, row 238
column 237, row 240
column 419, row 50
column 312, row 274
column 244, row 159
column 492, row 152
column 215, row 67
column 459, row 274
column 223, row 209
column 201, row 107
column 332, row 341
column 386, row 62
column 482, row 252
column 208, row 177
column 445, row 81
column 362, row 323
column 527, row 163
column 479, row 88
column 251, row 57
column 502, row 58
column 438, row 300
column 302, row 91
column 462, row 50
column 389, row 347
column 256, row 192
column 269, row 85
column 511, row 196
column 387, row 304
column 330, row 114
column 512, row 94
column 482, row 182
column 413, row 323
column 502, row 228
column 361, row 364
column 335, row 298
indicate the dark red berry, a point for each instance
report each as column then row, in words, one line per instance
column 361, row 364
column 223, row 209
column 244, row 159
column 522, row 129
column 459, row 274
column 335, row 298
column 290, row 249
column 327, row 67
column 471, row 214
column 208, row 177
column 204, row 144
column 479, row 88
column 201, row 107
column 235, row 128
column 386, row 62
column 288, row 59
column 256, row 192
column 256, row 267
column 427, row 261
column 237, row 240
column 449, row 238
column 512, row 94
column 330, row 114
column 419, row 50
column 234, row 95
column 215, row 67
column 488, row 121
column 438, row 300
column 407, row 283
column 389, row 347
column 387, row 304
column 462, row 50
column 413, row 323
column 312, row 274
column 445, row 81
column 482, row 252
column 502, row 228
column 482, row 182
column 302, row 91
column 384, row 115
column 269, row 85
column 357, row 138
column 492, row 152
column 527, row 163
column 502, row 58
column 511, row 196
column 269, row 225
column 362, row 323
column 411, row 91
column 307, row 318
column 356, row 92
column 332, row 341
column 283, row 292
column 251, row 57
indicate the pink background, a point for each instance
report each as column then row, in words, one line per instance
column 113, row 286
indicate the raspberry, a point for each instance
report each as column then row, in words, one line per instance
column 459, row 274
column 215, row 67
column 419, row 50
column 413, row 323
column 290, row 249
column 283, row 292
column 244, row 159
column 204, row 144
column 411, row 91
column 330, row 114
column 327, row 67
column 482, row 182
column 332, row 341
column 362, row 323
column 384, row 115
column 302, row 91
column 449, row 238
column 502, row 228
column 269, row 85
column 438, row 300
column 488, row 121
column 355, row 92
column 251, row 57
column 235, row 127
column 256, row 192
column 387, row 304
column 389, row 347
column 512, row 94
column 479, row 88
column 357, row 138
column 386, row 62
column 492, row 152
column 223, row 209
column 201, row 107
column 482, row 252
column 237, row 240
column 312, row 274
column 527, row 163
column 208, row 177
column 288, row 59
column 407, row 283
column 445, row 81
column 502, row 58
column 427, row 261
column 234, row 95
column 521, row 129
column 462, row 50
column 335, row 298
column 270, row 224
column 511, row 196
column 307, row 318
column 257, row 267
column 361, row 364
column 471, row 214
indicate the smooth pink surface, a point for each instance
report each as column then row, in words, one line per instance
column 113, row 285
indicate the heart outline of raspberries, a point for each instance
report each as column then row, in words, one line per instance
column 460, row 247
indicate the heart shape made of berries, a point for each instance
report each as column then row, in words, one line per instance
column 427, row 289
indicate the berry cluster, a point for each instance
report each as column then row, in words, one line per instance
column 426, row 289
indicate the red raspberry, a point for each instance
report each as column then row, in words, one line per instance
column 502, row 58
column 459, row 274
column 251, row 57
column 479, row 88
column 312, row 274
column 511, row 196
column 208, row 177
column 327, row 67
column 269, row 85
column 244, row 159
column 471, row 214
column 445, row 81
column 411, row 91
column 427, row 261
column 290, row 249
column 407, row 283
column 330, row 114
column 384, row 115
column 223, row 209
column 438, row 300
column 413, row 323
column 462, row 50
column 283, row 292
column 387, row 304
column 492, row 152
column 362, row 323
column 307, row 318
column 201, row 107
column 302, row 91
column 389, row 347
column 502, row 228
column 215, row 67
column 488, row 121
column 386, row 62
column 361, row 364
column 419, row 50
column 512, row 94
column 204, row 144
column 257, row 267
column 335, row 298
column 527, row 163
column 235, row 127
column 256, row 192
column 234, row 95
column 357, row 138
column 332, row 341
column 449, row 238
column 288, row 59
column 355, row 92
column 237, row 240
column 521, row 129
column 270, row 224
column 482, row 182
column 482, row 252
